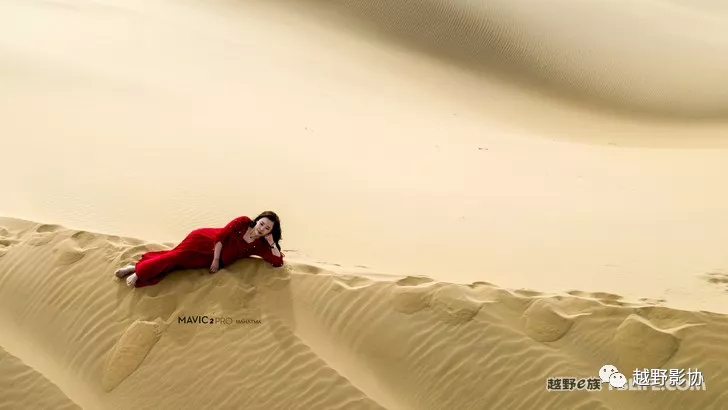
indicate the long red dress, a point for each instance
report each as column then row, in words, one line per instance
column 197, row 251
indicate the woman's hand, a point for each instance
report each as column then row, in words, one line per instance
column 273, row 247
column 269, row 238
column 215, row 266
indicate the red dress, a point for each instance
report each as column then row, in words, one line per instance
column 197, row 251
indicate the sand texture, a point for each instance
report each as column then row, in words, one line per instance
column 23, row 387
column 315, row 339
column 476, row 196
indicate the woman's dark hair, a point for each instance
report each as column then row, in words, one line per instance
column 276, row 231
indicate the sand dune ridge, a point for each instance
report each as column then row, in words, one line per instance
column 656, row 58
column 319, row 342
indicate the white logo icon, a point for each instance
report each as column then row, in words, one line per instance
column 617, row 380
column 606, row 371
column 610, row 374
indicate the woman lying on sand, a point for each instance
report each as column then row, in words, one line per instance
column 213, row 247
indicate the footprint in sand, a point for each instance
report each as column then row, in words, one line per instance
column 240, row 296
column 6, row 241
column 278, row 282
column 602, row 297
column 161, row 306
column 412, row 294
column 129, row 352
column 350, row 282
column 527, row 292
column 413, row 281
column 5, row 245
column 641, row 345
column 125, row 241
column 123, row 254
column 544, row 322
column 308, row 269
column 412, row 300
column 73, row 249
column 44, row 234
column 455, row 304
column 480, row 284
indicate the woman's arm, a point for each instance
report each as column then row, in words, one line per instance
column 271, row 253
column 271, row 257
column 273, row 246
column 238, row 224
column 218, row 249
column 274, row 250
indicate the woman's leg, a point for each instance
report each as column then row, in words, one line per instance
column 195, row 251
column 126, row 270
column 153, row 266
column 132, row 280
column 151, row 270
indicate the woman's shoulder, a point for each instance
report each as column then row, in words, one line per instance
column 238, row 222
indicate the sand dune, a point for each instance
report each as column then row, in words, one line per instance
column 572, row 155
column 629, row 56
column 317, row 339
column 23, row 387
column 548, row 195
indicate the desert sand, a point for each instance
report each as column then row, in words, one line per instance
column 475, row 197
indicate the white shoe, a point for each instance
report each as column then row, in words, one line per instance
column 131, row 280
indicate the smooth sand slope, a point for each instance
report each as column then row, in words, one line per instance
column 23, row 387
column 318, row 340
column 635, row 57
column 427, row 159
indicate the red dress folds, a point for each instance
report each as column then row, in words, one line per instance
column 197, row 251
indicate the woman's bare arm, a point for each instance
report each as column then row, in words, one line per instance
column 218, row 249
column 273, row 247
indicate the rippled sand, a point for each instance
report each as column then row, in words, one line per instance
column 571, row 155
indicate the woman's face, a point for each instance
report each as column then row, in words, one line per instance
column 263, row 227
